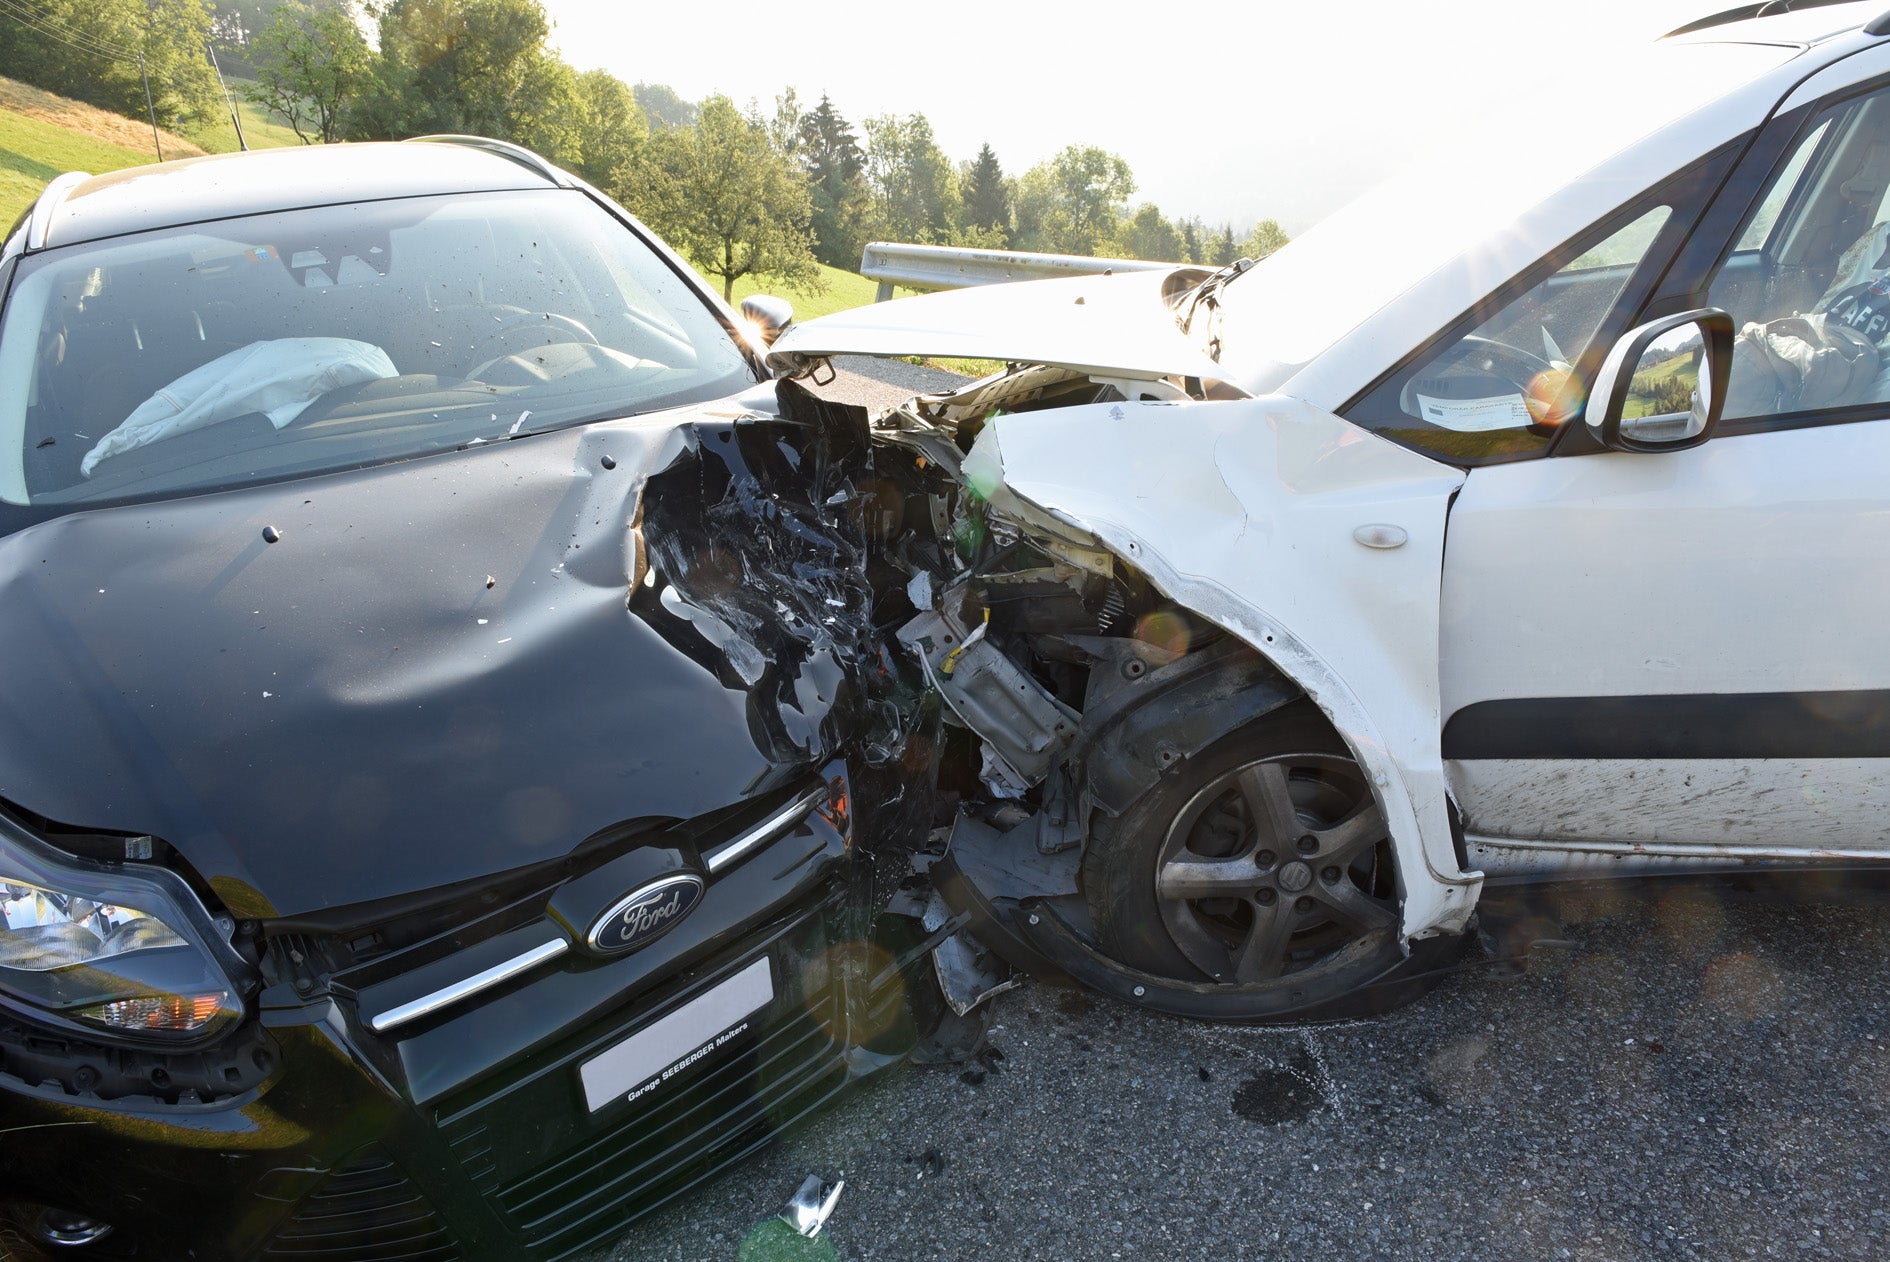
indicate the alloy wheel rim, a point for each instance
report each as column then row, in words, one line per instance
column 1273, row 866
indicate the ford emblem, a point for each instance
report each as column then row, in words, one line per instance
column 644, row 915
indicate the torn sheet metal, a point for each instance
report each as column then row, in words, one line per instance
column 1244, row 511
column 968, row 974
column 812, row 1205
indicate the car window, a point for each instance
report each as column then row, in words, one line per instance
column 1505, row 387
column 1808, row 282
column 1758, row 229
column 335, row 337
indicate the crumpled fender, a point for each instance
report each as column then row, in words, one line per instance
column 1245, row 512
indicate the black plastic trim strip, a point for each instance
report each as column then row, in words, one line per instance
column 1690, row 725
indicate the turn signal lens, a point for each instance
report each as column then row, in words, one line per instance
column 158, row 1014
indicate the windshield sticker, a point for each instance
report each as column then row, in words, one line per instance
column 1503, row 411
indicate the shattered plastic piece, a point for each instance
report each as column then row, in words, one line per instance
column 271, row 534
column 967, row 974
column 812, row 1205
column 919, row 590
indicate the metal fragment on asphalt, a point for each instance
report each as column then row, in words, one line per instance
column 812, row 1205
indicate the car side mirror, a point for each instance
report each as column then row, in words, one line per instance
column 1663, row 385
column 769, row 315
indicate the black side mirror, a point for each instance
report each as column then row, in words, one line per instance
column 1663, row 385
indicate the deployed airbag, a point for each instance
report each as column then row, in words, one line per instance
column 278, row 378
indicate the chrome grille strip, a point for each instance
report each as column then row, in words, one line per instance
column 733, row 852
column 469, row 986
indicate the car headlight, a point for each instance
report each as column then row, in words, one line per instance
column 111, row 947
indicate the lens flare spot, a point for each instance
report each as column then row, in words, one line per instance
column 1166, row 629
column 839, row 995
column 1690, row 921
column 772, row 1240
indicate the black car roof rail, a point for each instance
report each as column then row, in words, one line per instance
column 1766, row 10
column 39, row 219
column 1879, row 25
column 502, row 148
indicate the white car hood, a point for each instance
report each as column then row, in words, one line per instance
column 1109, row 325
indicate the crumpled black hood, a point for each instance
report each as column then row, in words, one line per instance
column 441, row 669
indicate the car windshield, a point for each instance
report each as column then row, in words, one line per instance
column 1461, row 198
column 306, row 341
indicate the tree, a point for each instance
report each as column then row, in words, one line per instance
column 723, row 195
column 613, row 134
column 987, row 196
column 663, row 107
column 1148, row 235
column 1266, row 237
column 310, row 65
column 1191, row 233
column 784, row 125
column 90, row 50
column 829, row 153
column 477, row 66
column 1220, row 249
column 1070, row 203
column 914, row 188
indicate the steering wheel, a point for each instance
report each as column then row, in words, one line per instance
column 1499, row 359
column 1530, row 375
column 499, row 342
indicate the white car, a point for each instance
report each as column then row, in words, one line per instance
column 1530, row 519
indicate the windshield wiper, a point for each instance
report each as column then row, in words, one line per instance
column 1208, row 292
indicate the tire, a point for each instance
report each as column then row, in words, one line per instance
column 1185, row 885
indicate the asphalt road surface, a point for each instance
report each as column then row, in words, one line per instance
column 1683, row 1070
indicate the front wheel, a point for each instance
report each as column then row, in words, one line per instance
column 1263, row 864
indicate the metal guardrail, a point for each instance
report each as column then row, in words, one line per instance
column 949, row 267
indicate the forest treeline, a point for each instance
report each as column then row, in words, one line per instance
column 763, row 190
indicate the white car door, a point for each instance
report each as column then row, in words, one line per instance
column 1679, row 656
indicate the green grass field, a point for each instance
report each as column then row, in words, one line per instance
column 33, row 152
column 42, row 135
column 843, row 290
column 263, row 130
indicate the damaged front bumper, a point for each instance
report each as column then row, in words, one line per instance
column 535, row 1119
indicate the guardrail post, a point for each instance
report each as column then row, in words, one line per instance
column 885, row 291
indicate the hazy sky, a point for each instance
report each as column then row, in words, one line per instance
column 1232, row 112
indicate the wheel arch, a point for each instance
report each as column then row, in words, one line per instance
column 1243, row 532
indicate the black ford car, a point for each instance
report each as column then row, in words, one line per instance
column 428, row 761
